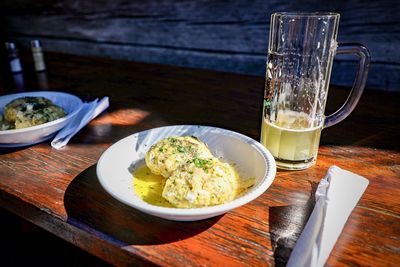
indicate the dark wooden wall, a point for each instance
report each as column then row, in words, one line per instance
column 222, row 35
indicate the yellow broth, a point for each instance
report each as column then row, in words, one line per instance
column 149, row 186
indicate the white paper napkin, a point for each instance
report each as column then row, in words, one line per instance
column 88, row 112
column 336, row 196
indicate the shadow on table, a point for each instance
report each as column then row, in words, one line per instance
column 9, row 150
column 90, row 207
column 286, row 224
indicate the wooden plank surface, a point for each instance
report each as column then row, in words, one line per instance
column 220, row 35
column 59, row 190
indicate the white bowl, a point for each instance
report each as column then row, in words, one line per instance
column 36, row 134
column 250, row 157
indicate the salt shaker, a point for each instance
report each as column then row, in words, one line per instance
column 37, row 54
column 15, row 62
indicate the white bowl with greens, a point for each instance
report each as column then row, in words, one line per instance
column 251, row 159
column 39, row 133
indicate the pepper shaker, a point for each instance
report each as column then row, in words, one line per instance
column 15, row 62
column 37, row 54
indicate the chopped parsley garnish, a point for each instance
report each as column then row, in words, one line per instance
column 173, row 140
column 181, row 149
column 38, row 106
column 202, row 163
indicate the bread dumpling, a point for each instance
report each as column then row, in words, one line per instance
column 193, row 177
column 167, row 155
column 5, row 125
column 201, row 183
column 24, row 104
column 30, row 111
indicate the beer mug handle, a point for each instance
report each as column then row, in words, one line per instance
column 359, row 83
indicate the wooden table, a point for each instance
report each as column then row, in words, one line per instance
column 58, row 189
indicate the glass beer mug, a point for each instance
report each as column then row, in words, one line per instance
column 300, row 56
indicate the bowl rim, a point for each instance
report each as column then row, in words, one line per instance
column 267, row 179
